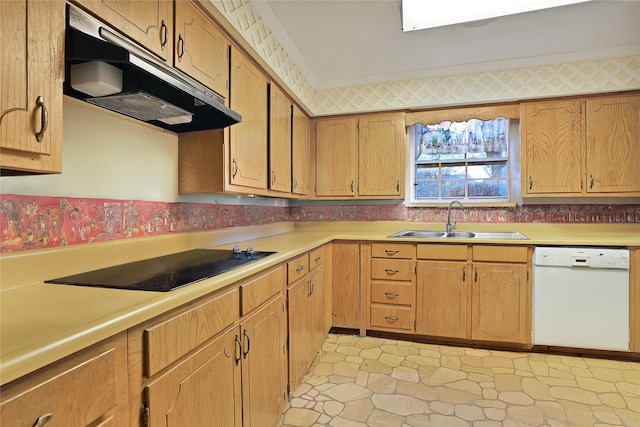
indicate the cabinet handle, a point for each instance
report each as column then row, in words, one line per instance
column 163, row 35
column 398, row 185
column 391, row 251
column 235, row 168
column 248, row 346
column 300, row 268
column 581, row 183
column 238, row 350
column 530, row 183
column 392, row 294
column 180, row 47
column 352, row 186
column 464, row 273
column 392, row 318
column 43, row 419
column 44, row 118
column 311, row 285
column 308, row 288
column 475, row 274
column 316, row 259
column 273, row 177
column 590, row 181
column 391, row 271
column 295, row 183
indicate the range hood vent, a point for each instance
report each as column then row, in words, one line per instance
column 150, row 91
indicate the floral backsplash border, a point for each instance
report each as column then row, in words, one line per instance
column 34, row 222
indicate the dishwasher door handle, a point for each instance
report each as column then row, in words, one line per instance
column 580, row 262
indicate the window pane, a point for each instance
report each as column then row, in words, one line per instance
column 491, row 170
column 454, row 188
column 427, row 189
column 483, row 188
column 427, row 172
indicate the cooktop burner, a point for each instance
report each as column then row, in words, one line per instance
column 165, row 273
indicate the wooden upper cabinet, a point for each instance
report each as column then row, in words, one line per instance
column 31, row 76
column 300, row 152
column 248, row 139
column 381, row 155
column 613, row 145
column 553, row 147
column 279, row 140
column 201, row 50
column 336, row 150
column 149, row 22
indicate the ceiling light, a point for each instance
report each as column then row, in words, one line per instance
column 421, row 14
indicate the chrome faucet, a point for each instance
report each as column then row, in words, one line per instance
column 451, row 227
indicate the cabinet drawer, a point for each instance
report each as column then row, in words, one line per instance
column 500, row 253
column 316, row 257
column 391, row 269
column 77, row 392
column 393, row 293
column 445, row 252
column 393, row 250
column 260, row 289
column 392, row 317
column 168, row 341
column 297, row 268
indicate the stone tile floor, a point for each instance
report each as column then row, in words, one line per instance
column 364, row 381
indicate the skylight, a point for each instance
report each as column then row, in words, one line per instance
column 422, row 14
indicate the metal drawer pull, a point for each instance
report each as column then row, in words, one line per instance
column 44, row 118
column 391, row 271
column 248, row 346
column 391, row 251
column 392, row 318
column 180, row 47
column 300, row 268
column 392, row 294
column 43, row 419
column 464, row 273
column 316, row 259
column 163, row 35
column 239, row 350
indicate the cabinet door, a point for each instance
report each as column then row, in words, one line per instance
column 553, row 154
column 317, row 297
column 442, row 296
column 204, row 390
column 249, row 138
column 299, row 326
column 279, row 140
column 201, row 50
column 381, row 155
column 613, row 145
column 148, row 22
column 31, row 74
column 501, row 303
column 345, row 281
column 300, row 148
column 336, row 157
column 264, row 365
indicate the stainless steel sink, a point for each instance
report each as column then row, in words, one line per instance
column 432, row 234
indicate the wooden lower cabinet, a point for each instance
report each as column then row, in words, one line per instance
column 204, row 390
column 345, row 281
column 442, row 299
column 264, row 365
column 500, row 303
column 88, row 388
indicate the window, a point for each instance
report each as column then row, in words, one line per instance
column 468, row 160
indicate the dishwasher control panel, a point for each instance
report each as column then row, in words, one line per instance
column 582, row 257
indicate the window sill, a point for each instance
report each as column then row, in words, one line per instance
column 466, row 203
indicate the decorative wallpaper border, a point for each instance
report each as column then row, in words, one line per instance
column 573, row 78
column 35, row 222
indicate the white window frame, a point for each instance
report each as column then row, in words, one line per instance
column 513, row 174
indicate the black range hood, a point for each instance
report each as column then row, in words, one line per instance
column 152, row 91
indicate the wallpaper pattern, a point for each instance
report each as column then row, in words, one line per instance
column 574, row 78
column 34, row 222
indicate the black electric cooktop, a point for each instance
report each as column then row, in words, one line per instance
column 165, row 273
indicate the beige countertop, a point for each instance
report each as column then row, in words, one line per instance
column 41, row 323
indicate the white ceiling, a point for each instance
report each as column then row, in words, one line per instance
column 348, row 42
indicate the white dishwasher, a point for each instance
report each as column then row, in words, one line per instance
column 581, row 297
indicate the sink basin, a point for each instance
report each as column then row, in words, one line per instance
column 432, row 234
